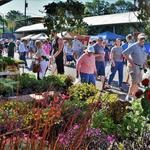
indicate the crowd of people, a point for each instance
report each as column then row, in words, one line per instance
column 90, row 62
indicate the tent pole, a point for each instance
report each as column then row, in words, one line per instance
column 114, row 29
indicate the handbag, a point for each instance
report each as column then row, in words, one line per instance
column 36, row 67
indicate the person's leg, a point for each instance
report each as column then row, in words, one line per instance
column 127, row 78
column 43, row 65
column 84, row 78
column 92, row 79
column 60, row 65
column 102, row 74
column 135, row 74
column 24, row 59
column 120, row 73
column 98, row 68
column 113, row 72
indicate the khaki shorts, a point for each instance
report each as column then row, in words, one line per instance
column 135, row 73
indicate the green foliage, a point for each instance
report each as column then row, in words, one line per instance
column 7, row 86
column 97, row 7
column 82, row 92
column 27, row 80
column 143, row 8
column 14, row 19
column 49, row 83
column 117, row 110
column 104, row 122
column 133, row 122
column 101, row 7
column 12, row 110
column 131, row 125
column 64, row 16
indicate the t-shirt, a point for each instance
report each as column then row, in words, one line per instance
column 76, row 45
column 40, row 52
column 117, row 53
column 107, row 50
column 23, row 48
column 99, row 50
column 137, row 53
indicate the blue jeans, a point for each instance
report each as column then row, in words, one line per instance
column 100, row 66
column 23, row 57
column 88, row 78
column 118, row 67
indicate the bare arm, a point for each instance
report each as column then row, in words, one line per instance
column 128, row 59
column 60, row 47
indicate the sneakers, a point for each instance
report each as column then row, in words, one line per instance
column 129, row 98
column 121, row 89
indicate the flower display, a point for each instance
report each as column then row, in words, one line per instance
column 145, row 82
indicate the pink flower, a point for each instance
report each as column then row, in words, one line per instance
column 110, row 138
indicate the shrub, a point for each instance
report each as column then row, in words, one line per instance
column 82, row 92
column 7, row 87
column 104, row 122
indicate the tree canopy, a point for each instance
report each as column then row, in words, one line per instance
column 143, row 8
column 101, row 7
column 65, row 16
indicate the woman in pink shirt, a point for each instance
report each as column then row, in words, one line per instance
column 47, row 47
column 86, row 67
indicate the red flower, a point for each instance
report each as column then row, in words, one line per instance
column 145, row 82
column 139, row 93
column 147, row 95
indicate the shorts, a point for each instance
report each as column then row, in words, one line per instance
column 100, row 66
column 135, row 73
column 88, row 78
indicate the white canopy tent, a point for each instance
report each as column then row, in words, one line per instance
column 34, row 27
column 41, row 36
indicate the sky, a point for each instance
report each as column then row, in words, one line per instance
column 33, row 6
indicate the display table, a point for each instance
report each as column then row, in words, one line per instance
column 9, row 73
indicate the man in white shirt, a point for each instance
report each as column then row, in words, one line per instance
column 23, row 50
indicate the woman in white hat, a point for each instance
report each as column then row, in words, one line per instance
column 86, row 66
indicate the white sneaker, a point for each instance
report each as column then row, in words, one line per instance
column 129, row 98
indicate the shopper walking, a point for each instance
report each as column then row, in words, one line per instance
column 136, row 56
column 42, row 58
column 57, row 53
column 100, row 61
column 23, row 51
column 116, row 63
column 86, row 67
column 11, row 49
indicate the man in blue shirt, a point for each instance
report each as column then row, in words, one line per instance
column 136, row 56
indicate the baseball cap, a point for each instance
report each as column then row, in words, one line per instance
column 90, row 49
column 100, row 38
column 142, row 36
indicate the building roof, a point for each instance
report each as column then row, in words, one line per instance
column 34, row 27
column 120, row 18
column 2, row 2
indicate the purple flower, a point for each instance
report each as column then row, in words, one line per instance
column 111, row 138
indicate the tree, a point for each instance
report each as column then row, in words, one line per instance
column 65, row 16
column 121, row 6
column 97, row 7
column 143, row 8
column 15, row 19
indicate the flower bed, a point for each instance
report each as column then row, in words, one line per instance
column 28, row 84
column 79, row 118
